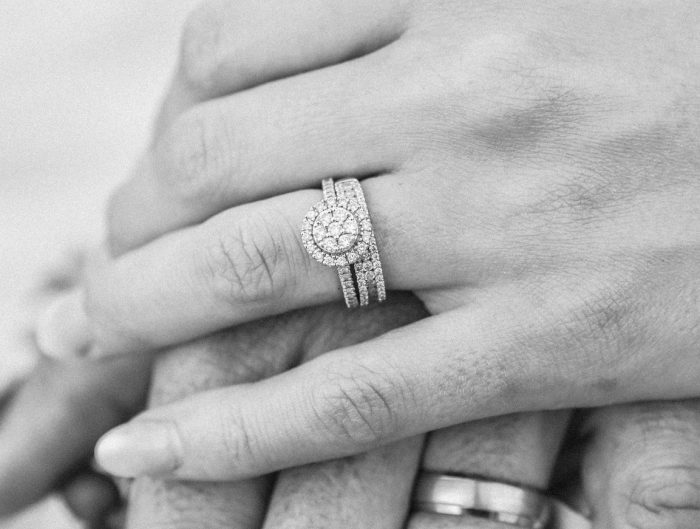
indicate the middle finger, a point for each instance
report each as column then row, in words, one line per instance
column 255, row 144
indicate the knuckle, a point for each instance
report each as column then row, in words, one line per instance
column 201, row 46
column 667, row 496
column 356, row 406
column 532, row 99
column 253, row 261
column 237, row 440
column 197, row 156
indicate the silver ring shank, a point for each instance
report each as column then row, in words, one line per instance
column 344, row 272
column 458, row 496
column 369, row 273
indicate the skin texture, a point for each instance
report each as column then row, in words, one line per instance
column 604, row 385
column 368, row 490
column 641, row 469
column 536, row 185
column 639, row 461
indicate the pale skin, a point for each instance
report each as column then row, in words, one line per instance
column 640, row 461
column 572, row 195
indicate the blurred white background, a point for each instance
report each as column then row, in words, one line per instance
column 79, row 83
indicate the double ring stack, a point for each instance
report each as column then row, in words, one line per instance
column 338, row 232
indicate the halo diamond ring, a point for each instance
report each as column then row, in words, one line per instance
column 338, row 232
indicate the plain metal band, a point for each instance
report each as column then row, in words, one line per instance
column 564, row 517
column 344, row 272
column 444, row 494
column 451, row 510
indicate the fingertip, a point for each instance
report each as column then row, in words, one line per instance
column 139, row 448
column 63, row 329
column 91, row 497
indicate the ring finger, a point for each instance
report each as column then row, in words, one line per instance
column 516, row 449
column 243, row 264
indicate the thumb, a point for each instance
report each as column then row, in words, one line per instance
column 54, row 419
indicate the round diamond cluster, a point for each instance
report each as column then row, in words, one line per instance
column 337, row 232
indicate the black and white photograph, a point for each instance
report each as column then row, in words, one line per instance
column 368, row 264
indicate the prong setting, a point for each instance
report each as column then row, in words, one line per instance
column 333, row 232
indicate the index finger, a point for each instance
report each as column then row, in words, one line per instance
column 240, row 355
column 236, row 356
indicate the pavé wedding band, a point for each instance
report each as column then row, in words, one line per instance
column 459, row 496
column 338, row 232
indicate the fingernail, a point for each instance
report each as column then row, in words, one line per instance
column 62, row 330
column 139, row 448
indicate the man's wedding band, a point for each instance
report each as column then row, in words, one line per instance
column 461, row 496
column 564, row 517
column 338, row 232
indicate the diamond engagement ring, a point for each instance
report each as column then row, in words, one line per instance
column 338, row 232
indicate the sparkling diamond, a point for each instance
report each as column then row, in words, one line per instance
column 346, row 241
column 335, row 230
column 329, row 244
column 350, row 225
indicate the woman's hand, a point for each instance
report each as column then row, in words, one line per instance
column 537, row 188
column 630, row 479
column 640, row 466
